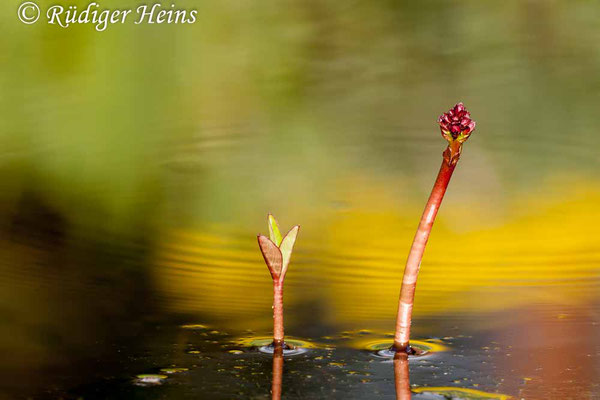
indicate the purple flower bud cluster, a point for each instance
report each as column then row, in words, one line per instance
column 456, row 122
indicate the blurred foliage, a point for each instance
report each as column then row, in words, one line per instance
column 171, row 143
column 144, row 124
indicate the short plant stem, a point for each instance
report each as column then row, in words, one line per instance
column 277, row 313
column 413, row 263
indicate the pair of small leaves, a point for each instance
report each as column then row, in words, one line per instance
column 277, row 250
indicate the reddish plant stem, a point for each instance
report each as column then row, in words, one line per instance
column 277, row 313
column 277, row 373
column 401, row 377
column 413, row 263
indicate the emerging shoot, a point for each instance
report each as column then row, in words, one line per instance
column 277, row 252
column 456, row 126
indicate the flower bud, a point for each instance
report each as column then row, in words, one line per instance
column 456, row 124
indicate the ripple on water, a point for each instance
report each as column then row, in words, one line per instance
column 264, row 345
column 194, row 326
column 381, row 348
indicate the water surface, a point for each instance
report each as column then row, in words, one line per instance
column 139, row 164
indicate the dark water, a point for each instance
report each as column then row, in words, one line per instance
column 203, row 363
column 99, row 318
column 138, row 165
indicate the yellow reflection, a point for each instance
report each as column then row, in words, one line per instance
column 194, row 326
column 462, row 393
column 426, row 346
column 543, row 249
column 267, row 340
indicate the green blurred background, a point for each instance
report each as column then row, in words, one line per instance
column 137, row 164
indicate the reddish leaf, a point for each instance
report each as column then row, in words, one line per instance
column 274, row 232
column 272, row 255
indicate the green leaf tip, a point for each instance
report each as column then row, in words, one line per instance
column 287, row 246
column 274, row 232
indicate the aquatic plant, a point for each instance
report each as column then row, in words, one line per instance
column 456, row 126
column 277, row 252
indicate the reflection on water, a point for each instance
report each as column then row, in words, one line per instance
column 137, row 167
column 402, row 377
column 383, row 347
column 537, row 349
column 545, row 251
column 264, row 344
column 277, row 373
column 515, row 312
column 149, row 379
column 516, row 309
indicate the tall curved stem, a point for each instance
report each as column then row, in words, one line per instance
column 413, row 263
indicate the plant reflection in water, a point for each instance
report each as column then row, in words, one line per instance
column 277, row 373
column 401, row 376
